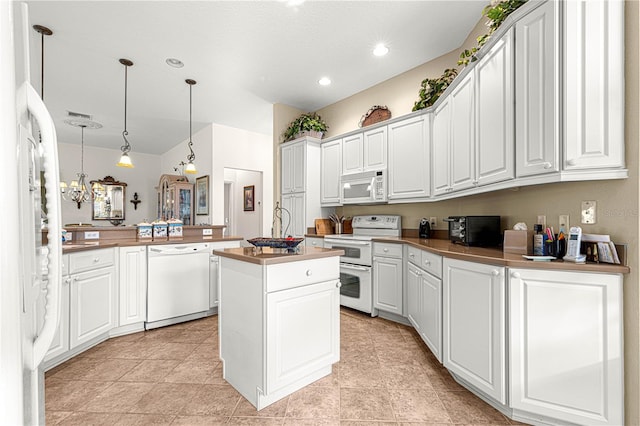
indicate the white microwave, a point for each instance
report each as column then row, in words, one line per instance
column 363, row 188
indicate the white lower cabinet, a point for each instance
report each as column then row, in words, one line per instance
column 317, row 242
column 93, row 309
column 424, row 308
column 132, row 285
column 60, row 343
column 387, row 277
column 214, row 272
column 566, row 347
column 474, row 328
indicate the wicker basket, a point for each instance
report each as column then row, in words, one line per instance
column 375, row 115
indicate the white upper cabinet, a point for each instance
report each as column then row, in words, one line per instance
column 331, row 163
column 495, row 138
column 375, row 149
column 293, row 167
column 463, row 134
column 409, row 165
column 593, row 84
column 352, row 154
column 365, row 151
column 440, row 142
column 537, row 91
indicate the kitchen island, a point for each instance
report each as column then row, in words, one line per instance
column 279, row 319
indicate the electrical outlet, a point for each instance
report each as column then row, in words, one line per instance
column 588, row 212
column 69, row 236
column 207, row 231
column 542, row 220
column 563, row 221
column 91, row 235
column 433, row 222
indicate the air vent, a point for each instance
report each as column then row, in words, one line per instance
column 78, row 119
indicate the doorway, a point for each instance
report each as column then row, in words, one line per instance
column 243, row 203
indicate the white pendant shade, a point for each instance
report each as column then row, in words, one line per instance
column 125, row 161
column 191, row 168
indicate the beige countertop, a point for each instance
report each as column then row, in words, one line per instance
column 495, row 256
column 271, row 256
column 72, row 247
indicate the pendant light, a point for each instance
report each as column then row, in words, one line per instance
column 77, row 191
column 125, row 160
column 44, row 31
column 190, row 168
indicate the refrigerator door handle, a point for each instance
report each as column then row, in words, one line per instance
column 38, row 110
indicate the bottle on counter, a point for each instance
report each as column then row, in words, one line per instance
column 538, row 241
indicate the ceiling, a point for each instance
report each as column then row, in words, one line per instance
column 244, row 55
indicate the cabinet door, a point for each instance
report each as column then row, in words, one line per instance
column 462, row 122
column 133, row 285
column 431, row 317
column 566, row 352
column 214, row 270
column 331, row 163
column 60, row 343
column 441, row 141
column 93, row 309
column 302, row 332
column 474, row 325
column 293, row 164
column 387, row 284
column 293, row 223
column 537, row 91
column 375, row 149
column 415, row 309
column 286, row 172
column 495, row 142
column 352, row 154
column 409, row 167
column 594, row 91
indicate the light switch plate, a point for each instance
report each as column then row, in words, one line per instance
column 91, row 235
column 588, row 212
column 433, row 222
column 563, row 221
column 542, row 220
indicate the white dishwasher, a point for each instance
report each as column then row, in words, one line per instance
column 177, row 283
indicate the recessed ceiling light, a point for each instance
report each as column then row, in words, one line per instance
column 173, row 62
column 324, row 81
column 380, row 50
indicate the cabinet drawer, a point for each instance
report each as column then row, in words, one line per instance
column 387, row 249
column 295, row 274
column 414, row 256
column 432, row 263
column 314, row 242
column 92, row 259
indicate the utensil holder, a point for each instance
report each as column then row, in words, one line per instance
column 338, row 228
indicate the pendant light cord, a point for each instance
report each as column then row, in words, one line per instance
column 127, row 146
column 82, row 151
column 42, row 62
column 192, row 156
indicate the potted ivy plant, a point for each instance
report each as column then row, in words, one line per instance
column 309, row 124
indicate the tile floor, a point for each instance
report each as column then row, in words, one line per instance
column 172, row 375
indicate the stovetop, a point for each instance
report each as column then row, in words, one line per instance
column 368, row 226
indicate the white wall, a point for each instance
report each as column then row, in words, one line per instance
column 239, row 149
column 202, row 147
column 247, row 224
column 101, row 162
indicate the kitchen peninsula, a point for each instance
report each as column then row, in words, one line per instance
column 279, row 319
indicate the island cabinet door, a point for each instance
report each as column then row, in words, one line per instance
column 302, row 332
column 566, row 345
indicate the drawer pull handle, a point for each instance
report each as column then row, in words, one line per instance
column 309, row 272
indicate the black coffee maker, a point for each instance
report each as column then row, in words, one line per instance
column 424, row 231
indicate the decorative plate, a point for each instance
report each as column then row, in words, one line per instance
column 275, row 242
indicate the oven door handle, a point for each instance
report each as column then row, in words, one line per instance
column 357, row 268
column 346, row 243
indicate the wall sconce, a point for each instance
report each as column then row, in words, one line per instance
column 135, row 201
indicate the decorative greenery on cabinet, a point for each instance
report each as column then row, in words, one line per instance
column 309, row 122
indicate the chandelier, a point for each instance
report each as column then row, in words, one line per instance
column 77, row 191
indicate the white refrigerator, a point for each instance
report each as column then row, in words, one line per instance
column 29, row 270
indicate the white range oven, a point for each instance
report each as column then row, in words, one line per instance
column 355, row 266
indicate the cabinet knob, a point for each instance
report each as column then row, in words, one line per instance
column 495, row 272
column 67, row 280
column 385, row 250
column 308, row 272
column 76, row 279
column 427, row 262
column 547, row 165
column 571, row 162
column 338, row 284
column 412, row 255
column 515, row 275
column 475, row 182
column 96, row 259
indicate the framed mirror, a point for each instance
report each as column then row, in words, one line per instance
column 108, row 200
